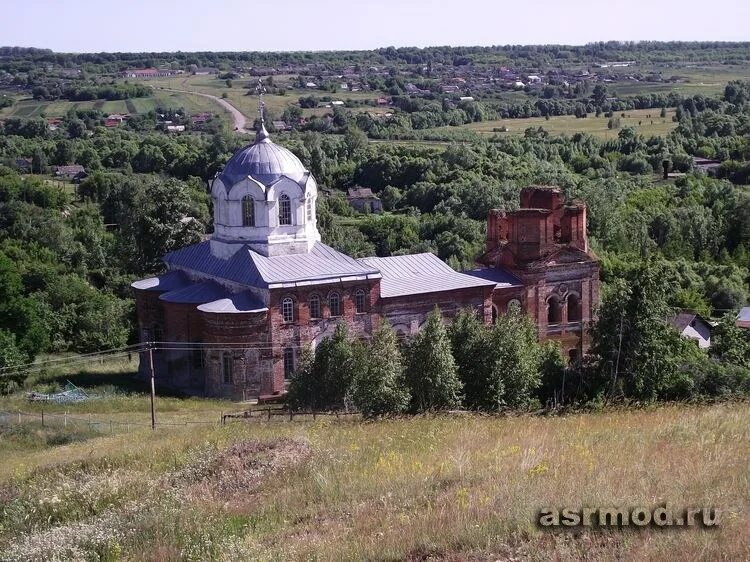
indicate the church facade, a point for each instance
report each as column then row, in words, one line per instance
column 232, row 313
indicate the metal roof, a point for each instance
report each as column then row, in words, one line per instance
column 206, row 291
column 247, row 267
column 502, row 277
column 418, row 274
column 236, row 303
column 744, row 315
column 265, row 162
column 167, row 282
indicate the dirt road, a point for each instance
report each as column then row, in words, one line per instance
column 240, row 120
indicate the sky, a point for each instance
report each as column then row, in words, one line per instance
column 289, row 25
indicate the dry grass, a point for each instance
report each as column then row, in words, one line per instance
column 423, row 488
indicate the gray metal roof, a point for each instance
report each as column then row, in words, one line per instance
column 265, row 162
column 502, row 277
column 236, row 303
column 418, row 274
column 167, row 282
column 206, row 291
column 247, row 267
column 744, row 315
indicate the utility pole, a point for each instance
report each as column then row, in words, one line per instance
column 153, row 387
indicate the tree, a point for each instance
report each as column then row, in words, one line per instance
column 356, row 141
column 730, row 343
column 514, row 371
column 38, row 161
column 599, row 94
column 432, row 374
column 379, row 387
column 470, row 346
column 10, row 356
column 154, row 217
column 638, row 354
column 76, row 129
column 324, row 379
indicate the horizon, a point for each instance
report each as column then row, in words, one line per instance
column 170, row 26
column 365, row 50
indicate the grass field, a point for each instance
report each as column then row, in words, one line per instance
column 459, row 488
column 569, row 124
column 28, row 108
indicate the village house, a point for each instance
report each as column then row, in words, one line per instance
column 693, row 326
column 23, row 164
column 74, row 172
column 364, row 200
column 743, row 318
column 239, row 308
column 147, row 72
column 706, row 165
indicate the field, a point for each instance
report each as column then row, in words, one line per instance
column 29, row 108
column 248, row 104
column 646, row 121
column 455, row 487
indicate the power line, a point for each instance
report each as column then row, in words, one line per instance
column 36, row 368
column 94, row 355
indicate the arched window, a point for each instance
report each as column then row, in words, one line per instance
column 315, row 307
column 574, row 309
column 553, row 310
column 285, row 210
column 514, row 306
column 360, row 301
column 287, row 310
column 226, row 367
column 288, row 362
column 248, row 211
column 334, row 304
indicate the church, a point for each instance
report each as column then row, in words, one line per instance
column 235, row 311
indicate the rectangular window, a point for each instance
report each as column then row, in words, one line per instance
column 288, row 362
column 309, row 209
column 315, row 306
column 226, row 368
column 285, row 210
column 360, row 301
column 334, row 304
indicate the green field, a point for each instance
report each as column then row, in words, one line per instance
column 248, row 104
column 569, row 124
column 29, row 108
column 460, row 487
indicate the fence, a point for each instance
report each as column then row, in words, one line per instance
column 90, row 422
column 268, row 414
column 66, row 420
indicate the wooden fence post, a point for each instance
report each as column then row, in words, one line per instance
column 42, row 417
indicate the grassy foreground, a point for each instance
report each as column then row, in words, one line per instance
column 424, row 488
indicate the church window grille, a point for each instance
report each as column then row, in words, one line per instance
column 287, row 310
column 334, row 304
column 248, row 211
column 285, row 210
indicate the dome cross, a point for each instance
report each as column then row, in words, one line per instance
column 261, row 133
